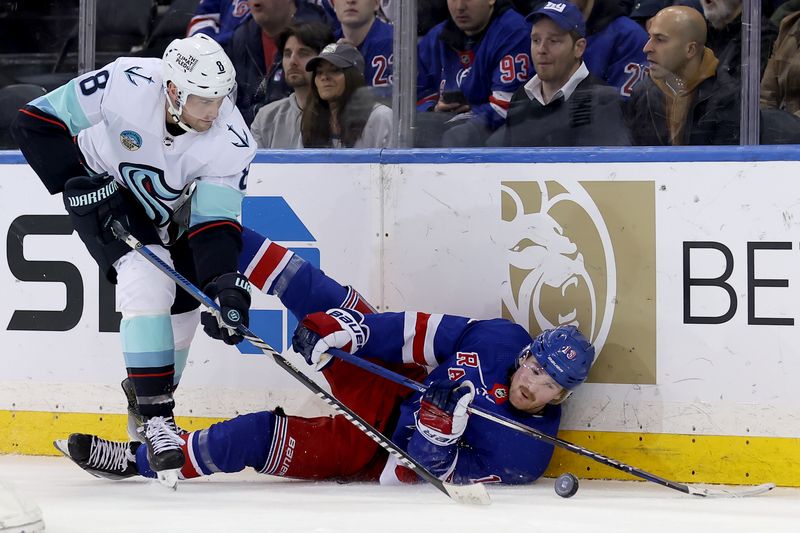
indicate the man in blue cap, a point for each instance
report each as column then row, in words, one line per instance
column 563, row 105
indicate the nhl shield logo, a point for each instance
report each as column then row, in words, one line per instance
column 130, row 140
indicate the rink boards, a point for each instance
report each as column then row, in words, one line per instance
column 681, row 265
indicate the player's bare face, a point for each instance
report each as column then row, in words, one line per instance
column 471, row 16
column 555, row 55
column 665, row 51
column 295, row 56
column 532, row 387
column 355, row 13
column 200, row 113
column 330, row 82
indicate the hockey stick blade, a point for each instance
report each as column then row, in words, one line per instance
column 556, row 441
column 731, row 493
column 469, row 494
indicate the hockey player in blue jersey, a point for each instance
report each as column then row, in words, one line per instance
column 470, row 65
column 494, row 364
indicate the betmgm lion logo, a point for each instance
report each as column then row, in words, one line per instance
column 584, row 254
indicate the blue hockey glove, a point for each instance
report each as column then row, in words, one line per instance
column 443, row 415
column 232, row 293
column 335, row 328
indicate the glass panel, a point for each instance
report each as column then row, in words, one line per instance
column 37, row 37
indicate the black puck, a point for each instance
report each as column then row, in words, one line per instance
column 566, row 485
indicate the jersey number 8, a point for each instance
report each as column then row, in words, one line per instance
column 90, row 84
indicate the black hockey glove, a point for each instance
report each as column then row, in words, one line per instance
column 92, row 203
column 232, row 293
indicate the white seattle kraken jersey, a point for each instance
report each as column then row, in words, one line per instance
column 118, row 114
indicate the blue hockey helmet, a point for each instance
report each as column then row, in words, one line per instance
column 564, row 353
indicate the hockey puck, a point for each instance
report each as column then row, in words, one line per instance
column 566, row 485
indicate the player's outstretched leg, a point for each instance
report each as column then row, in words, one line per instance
column 100, row 457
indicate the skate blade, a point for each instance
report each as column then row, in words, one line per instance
column 169, row 478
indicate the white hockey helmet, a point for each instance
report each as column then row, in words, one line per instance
column 197, row 65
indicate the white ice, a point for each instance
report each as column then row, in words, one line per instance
column 73, row 501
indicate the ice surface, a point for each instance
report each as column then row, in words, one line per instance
column 73, row 501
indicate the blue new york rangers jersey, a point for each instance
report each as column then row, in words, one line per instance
column 218, row 18
column 487, row 69
column 483, row 352
column 377, row 51
column 615, row 54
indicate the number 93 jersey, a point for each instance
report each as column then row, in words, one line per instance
column 119, row 116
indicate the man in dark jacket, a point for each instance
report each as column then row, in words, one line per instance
column 563, row 105
column 254, row 52
column 725, row 35
column 687, row 99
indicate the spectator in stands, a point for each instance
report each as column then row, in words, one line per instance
column 372, row 37
column 725, row 35
column 277, row 124
column 469, row 66
column 643, row 10
column 563, row 105
column 254, row 51
column 613, row 44
column 783, row 10
column 780, row 86
column 339, row 112
column 687, row 99
column 218, row 19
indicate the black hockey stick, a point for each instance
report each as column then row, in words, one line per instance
column 472, row 494
column 556, row 441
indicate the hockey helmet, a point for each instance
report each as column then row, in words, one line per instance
column 564, row 353
column 197, row 65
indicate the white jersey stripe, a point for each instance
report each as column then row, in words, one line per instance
column 430, row 333
column 409, row 328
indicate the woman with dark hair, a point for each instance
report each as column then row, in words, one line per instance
column 340, row 111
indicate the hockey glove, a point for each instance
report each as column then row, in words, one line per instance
column 442, row 416
column 336, row 328
column 232, row 293
column 93, row 203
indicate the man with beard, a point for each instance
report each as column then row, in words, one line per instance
column 563, row 105
column 687, row 99
column 255, row 53
column 277, row 124
column 725, row 35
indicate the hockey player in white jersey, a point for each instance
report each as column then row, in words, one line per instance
column 159, row 145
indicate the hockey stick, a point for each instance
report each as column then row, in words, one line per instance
column 555, row 441
column 472, row 494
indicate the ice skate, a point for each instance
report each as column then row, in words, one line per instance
column 164, row 449
column 100, row 457
column 135, row 418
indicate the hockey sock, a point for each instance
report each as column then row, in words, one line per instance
column 147, row 344
column 228, row 446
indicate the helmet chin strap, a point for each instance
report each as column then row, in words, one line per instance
column 176, row 113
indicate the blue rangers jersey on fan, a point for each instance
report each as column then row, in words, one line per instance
column 218, row 18
column 457, row 348
column 615, row 54
column 487, row 68
column 377, row 51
